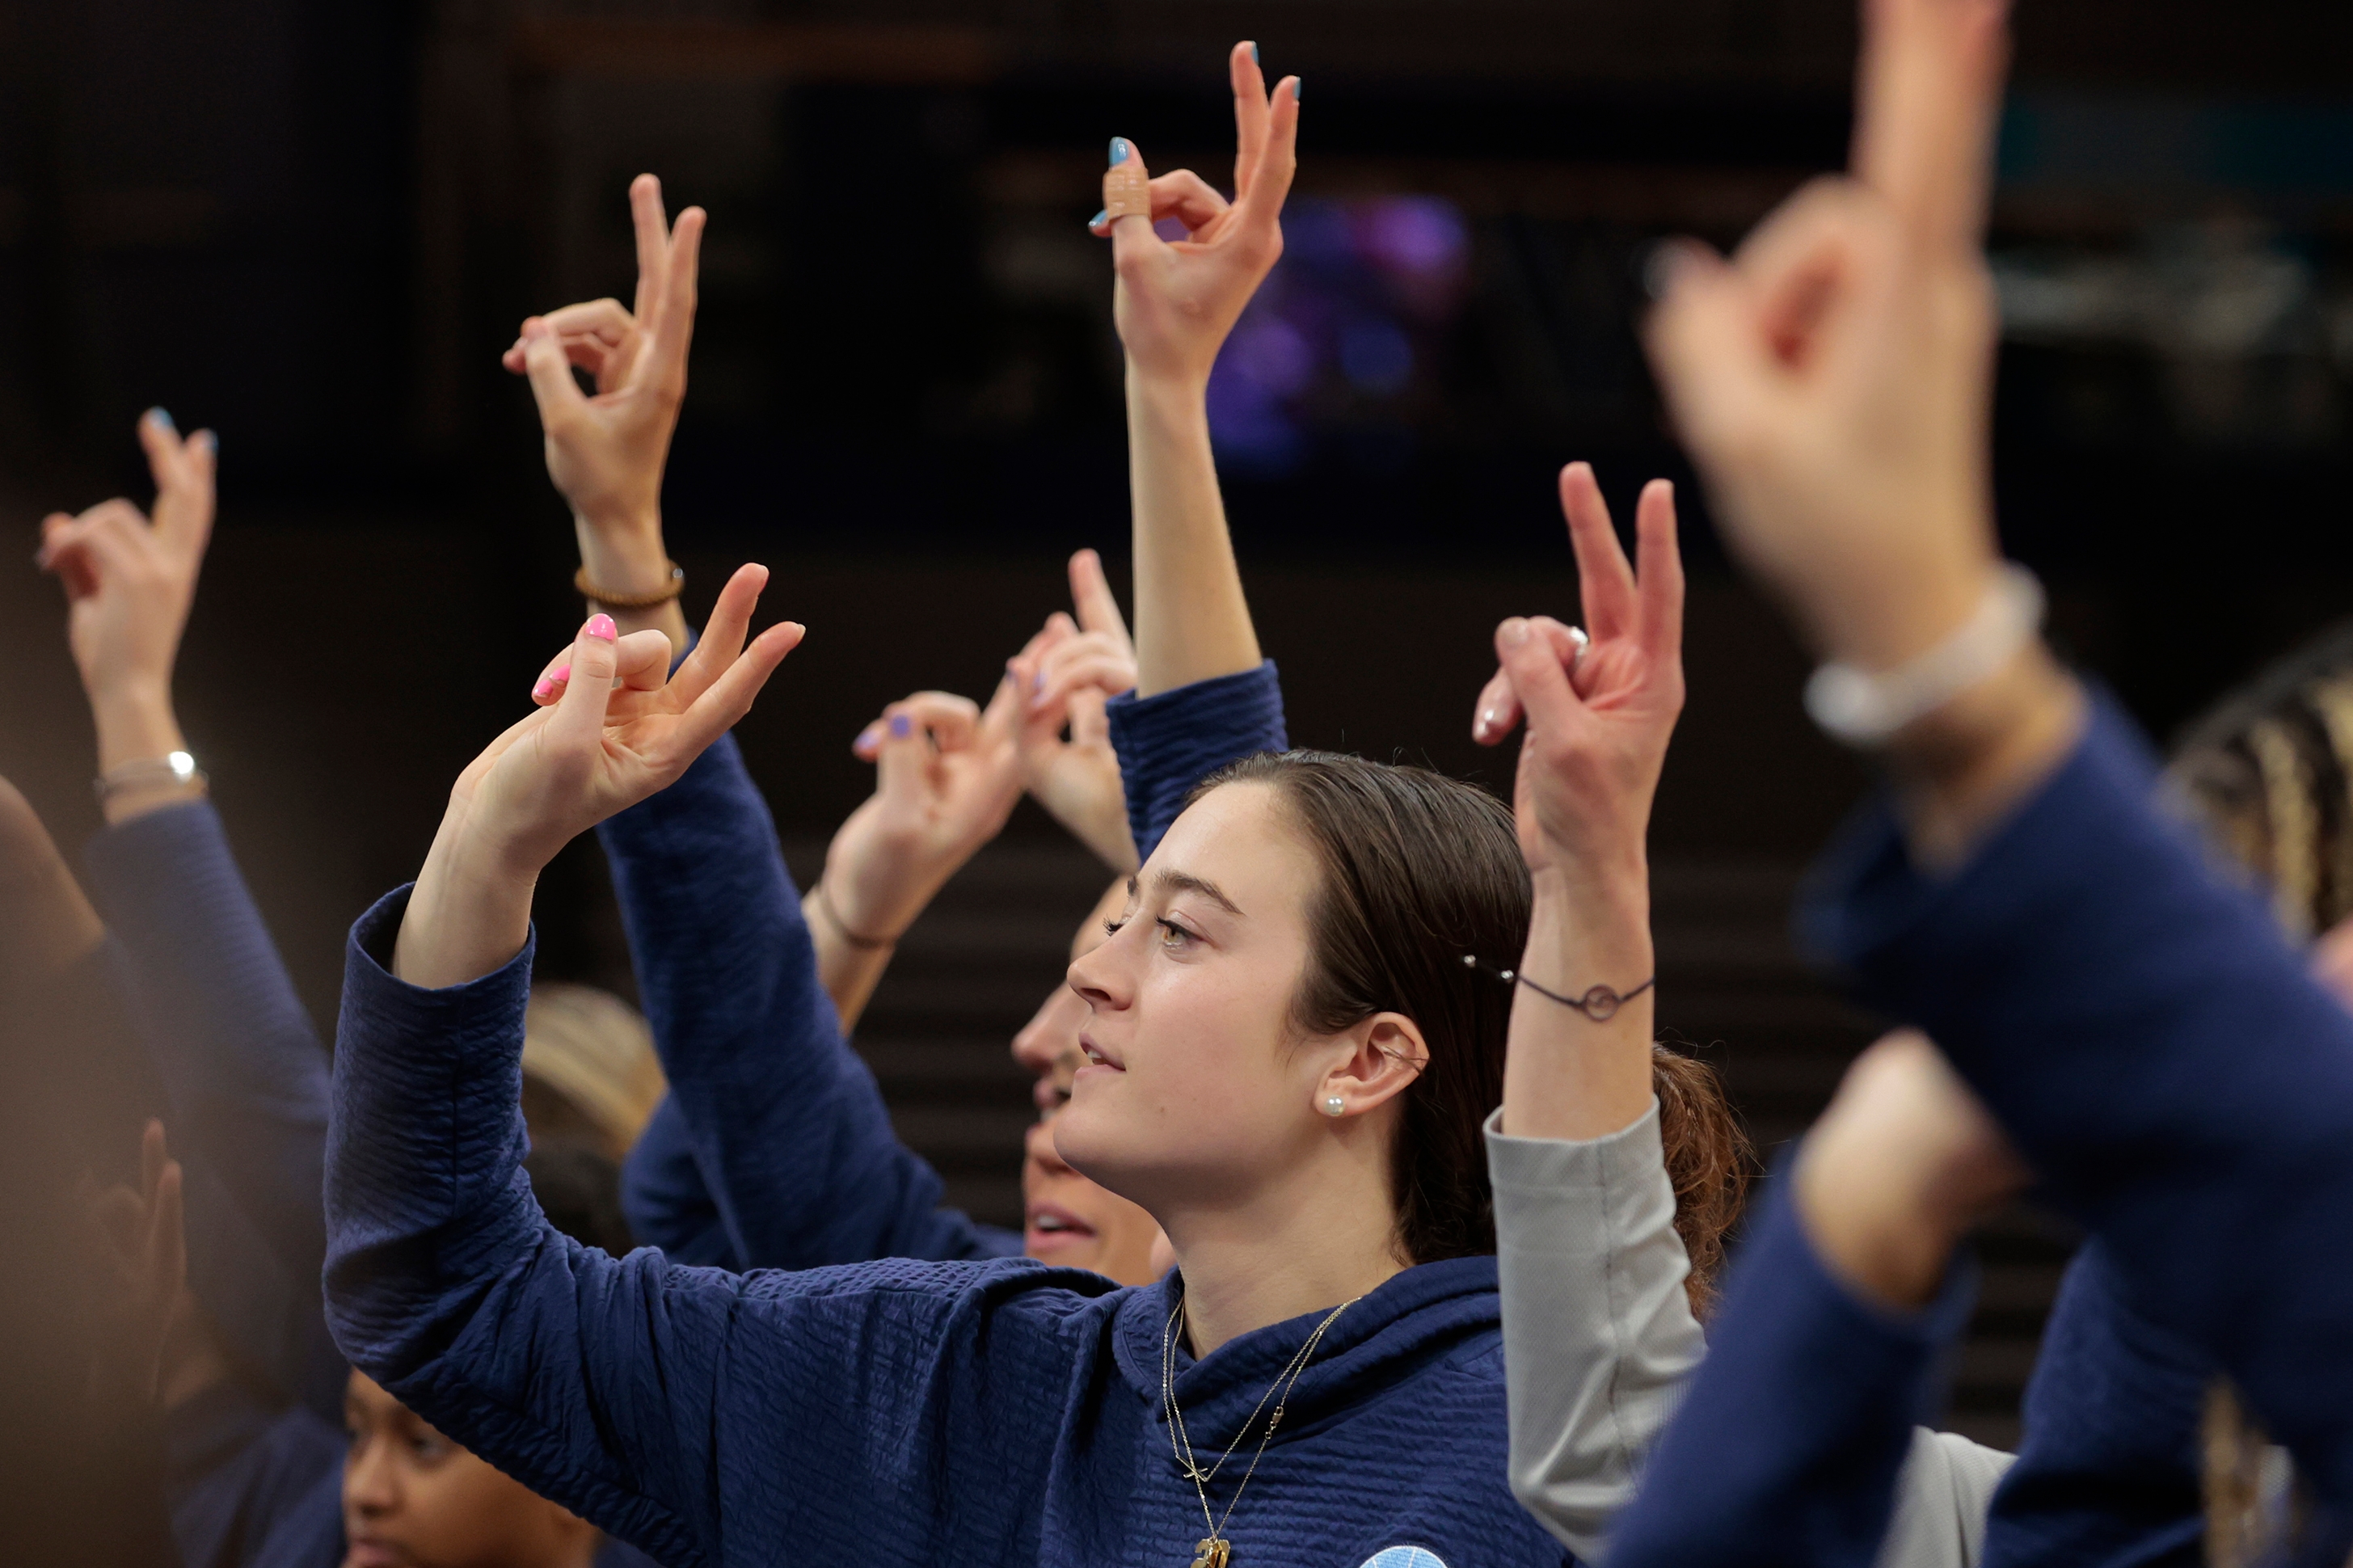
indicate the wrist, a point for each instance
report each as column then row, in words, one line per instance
column 1168, row 393
column 622, row 548
column 135, row 723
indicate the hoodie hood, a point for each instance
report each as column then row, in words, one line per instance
column 1416, row 1318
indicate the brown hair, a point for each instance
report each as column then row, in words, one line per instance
column 1418, row 869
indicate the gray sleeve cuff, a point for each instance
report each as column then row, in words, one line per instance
column 1598, row 1335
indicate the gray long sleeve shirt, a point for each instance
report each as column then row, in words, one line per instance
column 1599, row 1339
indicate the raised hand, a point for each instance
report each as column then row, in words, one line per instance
column 606, row 452
column 1833, row 379
column 142, row 1238
column 1599, row 712
column 948, row 775
column 129, row 583
column 1067, row 674
column 1176, row 299
column 1902, row 1165
column 615, row 726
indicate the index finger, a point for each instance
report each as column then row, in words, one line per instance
column 1270, row 182
column 652, row 226
column 1929, row 89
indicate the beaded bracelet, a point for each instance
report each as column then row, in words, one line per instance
column 671, row 589
column 177, row 768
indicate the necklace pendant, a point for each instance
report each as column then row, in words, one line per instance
column 1214, row 1553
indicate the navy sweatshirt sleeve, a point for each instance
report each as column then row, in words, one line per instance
column 783, row 1123
column 1170, row 742
column 1787, row 1446
column 245, row 1077
column 2109, row 1474
column 897, row 1412
column 2145, row 1036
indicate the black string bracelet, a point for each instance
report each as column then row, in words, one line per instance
column 1600, row 1003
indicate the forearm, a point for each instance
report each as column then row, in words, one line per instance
column 1192, row 621
column 469, row 915
column 1566, row 1075
column 629, row 556
column 848, row 971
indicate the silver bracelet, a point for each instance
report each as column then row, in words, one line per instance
column 148, row 773
column 1865, row 709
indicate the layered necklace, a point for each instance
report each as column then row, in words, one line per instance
column 1215, row 1550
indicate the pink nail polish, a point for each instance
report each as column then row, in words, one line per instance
column 601, row 626
column 543, row 688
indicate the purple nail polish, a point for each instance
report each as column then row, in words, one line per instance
column 901, row 726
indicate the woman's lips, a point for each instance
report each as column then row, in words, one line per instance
column 365, row 1552
column 1098, row 1060
column 1049, row 1227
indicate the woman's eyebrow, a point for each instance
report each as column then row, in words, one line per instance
column 1185, row 882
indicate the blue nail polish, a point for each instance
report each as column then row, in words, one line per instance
column 1253, row 54
column 1120, row 150
column 1295, row 85
column 1099, row 220
column 901, row 726
column 162, row 416
column 1038, row 683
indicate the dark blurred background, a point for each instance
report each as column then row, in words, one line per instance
column 313, row 225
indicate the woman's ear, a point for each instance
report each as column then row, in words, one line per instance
column 1389, row 1054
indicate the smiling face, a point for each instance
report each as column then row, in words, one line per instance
column 413, row 1499
column 1068, row 1220
column 1197, row 1085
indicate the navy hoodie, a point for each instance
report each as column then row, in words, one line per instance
column 892, row 1412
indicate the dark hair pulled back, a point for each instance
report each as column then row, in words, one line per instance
column 1417, row 869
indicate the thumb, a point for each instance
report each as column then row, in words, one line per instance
column 1127, row 196
column 901, row 757
column 559, row 397
column 579, row 716
column 1537, row 675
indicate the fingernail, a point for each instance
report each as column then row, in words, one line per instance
column 533, row 330
column 1514, row 632
column 546, row 684
column 208, row 440
column 601, row 626
column 867, row 737
column 1668, row 260
column 563, row 673
column 1101, row 218
column 162, row 416
column 901, row 726
column 1487, row 719
column 1296, row 86
column 1038, row 683
column 1253, row 54
column 1120, row 150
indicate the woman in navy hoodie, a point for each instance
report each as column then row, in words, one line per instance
column 1289, row 1058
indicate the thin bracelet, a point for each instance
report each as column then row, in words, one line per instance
column 173, row 768
column 1599, row 1003
column 671, row 589
column 869, row 944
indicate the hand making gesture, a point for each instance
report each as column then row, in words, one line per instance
column 1600, row 705
column 606, row 452
column 129, row 583
column 614, row 727
column 1600, row 702
column 1177, row 299
column 1067, row 675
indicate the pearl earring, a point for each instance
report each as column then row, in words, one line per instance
column 1334, row 1105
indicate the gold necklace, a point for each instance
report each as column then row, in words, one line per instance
column 1214, row 1551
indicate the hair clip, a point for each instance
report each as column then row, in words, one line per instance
column 1599, row 1003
